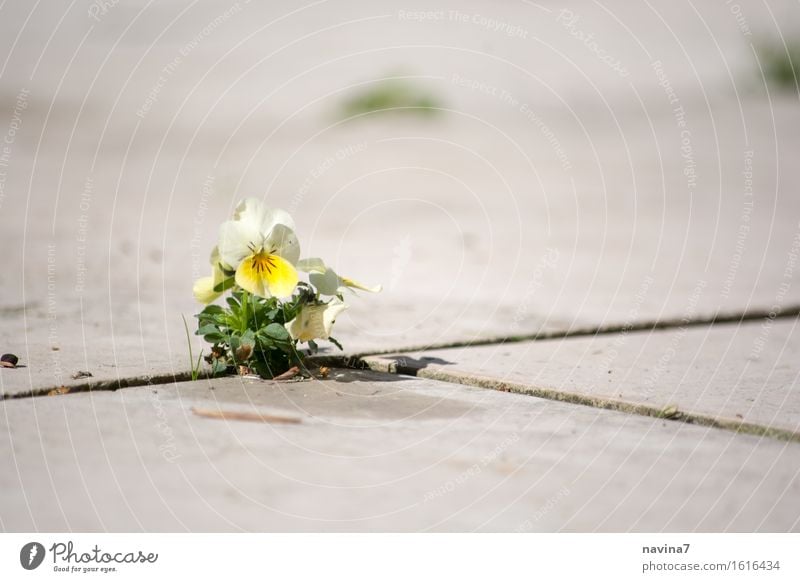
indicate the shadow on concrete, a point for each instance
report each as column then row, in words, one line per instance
column 409, row 366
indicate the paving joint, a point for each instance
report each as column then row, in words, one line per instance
column 791, row 311
column 359, row 361
column 103, row 385
column 668, row 413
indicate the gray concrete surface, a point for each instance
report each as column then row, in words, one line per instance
column 732, row 372
column 376, row 453
column 549, row 193
column 476, row 221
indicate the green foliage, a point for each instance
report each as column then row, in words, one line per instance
column 781, row 65
column 254, row 331
column 395, row 95
column 194, row 366
column 250, row 332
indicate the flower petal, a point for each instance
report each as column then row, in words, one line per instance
column 273, row 217
column 249, row 279
column 315, row 321
column 281, row 241
column 313, row 265
column 332, row 311
column 266, row 275
column 308, row 324
column 236, row 241
column 203, row 290
column 256, row 214
column 282, row 279
column 217, row 262
column 256, row 226
column 326, row 283
column 356, row 285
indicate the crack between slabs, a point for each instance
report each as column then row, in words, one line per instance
column 357, row 361
column 669, row 413
column 789, row 312
column 104, row 385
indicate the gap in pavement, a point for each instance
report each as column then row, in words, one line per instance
column 645, row 325
column 362, row 360
column 714, row 395
column 668, row 413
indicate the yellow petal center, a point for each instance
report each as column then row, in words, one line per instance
column 265, row 275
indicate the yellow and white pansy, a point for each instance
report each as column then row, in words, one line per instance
column 315, row 321
column 261, row 247
column 327, row 281
column 205, row 289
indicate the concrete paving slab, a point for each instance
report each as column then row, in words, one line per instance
column 573, row 201
column 376, row 452
column 732, row 373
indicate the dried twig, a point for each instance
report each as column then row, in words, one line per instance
column 288, row 374
column 250, row 416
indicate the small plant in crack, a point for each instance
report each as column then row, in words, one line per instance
column 268, row 311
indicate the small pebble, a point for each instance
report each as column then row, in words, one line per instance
column 8, row 361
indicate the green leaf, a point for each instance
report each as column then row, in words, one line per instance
column 218, row 367
column 215, row 337
column 249, row 338
column 224, row 285
column 276, row 332
column 264, row 342
column 229, row 320
column 287, row 347
column 211, row 310
column 263, row 368
column 207, row 329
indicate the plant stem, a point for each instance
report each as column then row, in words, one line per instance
column 195, row 371
column 245, row 319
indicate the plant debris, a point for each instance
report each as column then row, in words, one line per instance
column 58, row 391
column 8, row 361
column 324, row 371
column 249, row 416
column 671, row 412
column 81, row 374
column 288, row 374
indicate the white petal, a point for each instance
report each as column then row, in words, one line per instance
column 282, row 241
column 332, row 311
column 313, row 265
column 236, row 239
column 315, row 321
column 203, row 290
column 308, row 324
column 250, row 211
column 351, row 284
column 256, row 213
column 326, row 283
column 273, row 217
